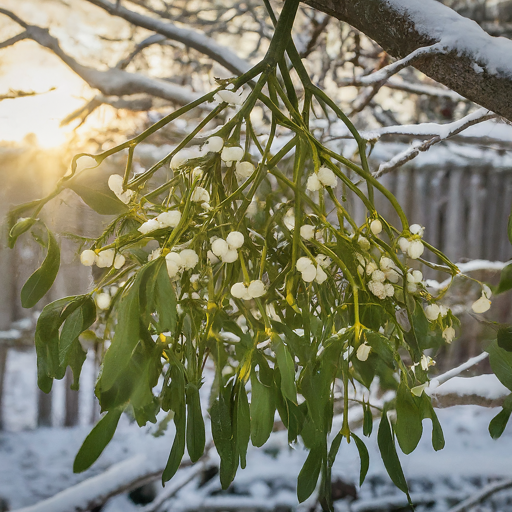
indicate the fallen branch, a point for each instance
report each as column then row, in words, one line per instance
column 482, row 495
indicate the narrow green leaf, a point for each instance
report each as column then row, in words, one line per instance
column 21, row 226
column 262, row 411
column 504, row 338
column 499, row 422
column 97, row 440
column 195, row 424
column 408, row 427
column 367, row 420
column 363, row 455
column 177, row 391
column 165, row 300
column 125, row 339
column 223, row 438
column 335, row 446
column 42, row 279
column 388, row 453
column 93, row 188
column 243, row 424
column 505, row 283
column 308, row 476
column 287, row 368
column 501, row 363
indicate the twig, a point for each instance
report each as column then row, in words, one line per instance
column 446, row 131
column 480, row 496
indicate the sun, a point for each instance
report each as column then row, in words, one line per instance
column 59, row 92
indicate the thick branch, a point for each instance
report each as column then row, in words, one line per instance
column 190, row 38
column 476, row 65
column 113, row 82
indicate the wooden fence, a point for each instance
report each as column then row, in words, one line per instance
column 464, row 209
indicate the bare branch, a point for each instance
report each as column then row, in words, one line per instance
column 482, row 495
column 13, row 94
column 112, row 82
column 446, row 131
column 135, row 105
column 190, row 38
column 153, row 39
column 13, row 40
column 477, row 66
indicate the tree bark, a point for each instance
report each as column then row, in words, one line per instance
column 401, row 31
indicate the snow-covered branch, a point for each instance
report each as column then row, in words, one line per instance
column 436, row 132
column 190, row 38
column 380, row 76
column 482, row 495
column 112, row 82
column 475, row 64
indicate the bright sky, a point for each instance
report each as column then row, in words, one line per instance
column 40, row 114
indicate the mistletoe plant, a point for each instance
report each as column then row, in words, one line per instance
column 261, row 270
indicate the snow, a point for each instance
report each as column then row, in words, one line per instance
column 456, row 33
column 487, row 386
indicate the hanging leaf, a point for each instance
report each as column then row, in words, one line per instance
column 243, row 424
column 22, row 226
column 499, row 422
column 126, row 337
column 47, row 339
column 389, row 456
column 408, row 427
column 505, row 283
column 262, row 411
column 165, row 300
column 223, row 438
column 195, row 423
column 504, row 338
column 287, row 369
column 97, row 440
column 308, row 476
column 367, row 420
column 501, row 363
column 363, row 455
column 42, row 279
column 177, row 391
column 92, row 187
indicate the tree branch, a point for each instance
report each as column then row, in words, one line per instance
column 482, row 495
column 112, row 82
column 190, row 38
column 476, row 65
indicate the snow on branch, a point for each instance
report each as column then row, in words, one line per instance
column 122, row 477
column 386, row 72
column 190, row 38
column 482, row 495
column 436, row 132
column 468, row 266
column 112, row 82
column 475, row 64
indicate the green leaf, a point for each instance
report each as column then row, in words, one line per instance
column 47, row 339
column 262, row 411
column 335, row 446
column 165, row 300
column 70, row 350
column 504, row 338
column 177, row 391
column 92, row 187
column 408, row 427
column 367, row 420
column 97, row 440
column 243, row 424
column 505, row 283
column 42, row 279
column 286, row 366
column 125, row 339
column 308, row 476
column 195, row 424
column 223, row 438
column 21, row 226
column 499, row 422
column 501, row 363
column 388, row 453
column 363, row 455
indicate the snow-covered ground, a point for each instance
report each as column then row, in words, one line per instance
column 37, row 463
